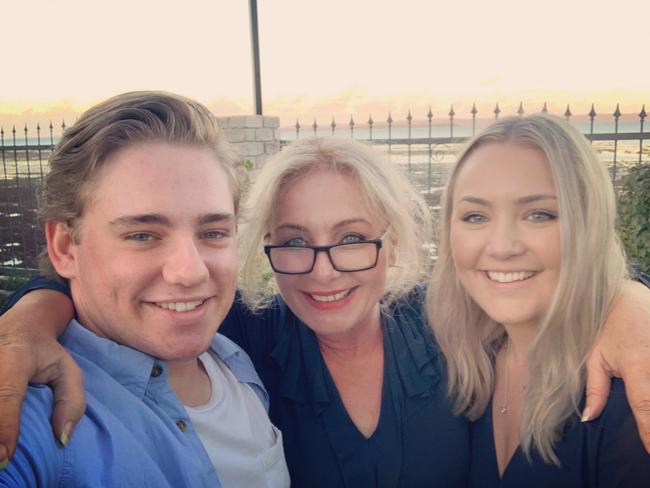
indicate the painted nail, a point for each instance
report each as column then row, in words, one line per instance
column 65, row 434
column 4, row 456
column 585, row 415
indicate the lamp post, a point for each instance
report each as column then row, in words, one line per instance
column 255, row 49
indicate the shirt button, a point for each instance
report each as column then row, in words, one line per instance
column 182, row 426
column 156, row 371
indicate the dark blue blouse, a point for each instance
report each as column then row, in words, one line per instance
column 418, row 441
column 605, row 453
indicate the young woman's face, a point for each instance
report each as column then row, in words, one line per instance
column 318, row 209
column 505, row 232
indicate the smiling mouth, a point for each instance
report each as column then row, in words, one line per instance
column 510, row 277
column 180, row 306
column 330, row 298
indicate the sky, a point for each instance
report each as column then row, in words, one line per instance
column 326, row 58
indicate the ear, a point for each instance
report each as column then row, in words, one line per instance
column 61, row 247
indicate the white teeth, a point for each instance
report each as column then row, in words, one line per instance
column 330, row 298
column 179, row 306
column 509, row 277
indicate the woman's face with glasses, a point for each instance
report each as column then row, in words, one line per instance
column 326, row 210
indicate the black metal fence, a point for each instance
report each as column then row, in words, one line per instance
column 425, row 147
column 428, row 145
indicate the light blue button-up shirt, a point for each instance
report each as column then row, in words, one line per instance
column 135, row 431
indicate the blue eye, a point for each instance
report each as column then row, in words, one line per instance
column 296, row 242
column 474, row 218
column 350, row 238
column 140, row 237
column 541, row 216
column 215, row 235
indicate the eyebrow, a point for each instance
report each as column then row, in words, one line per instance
column 519, row 201
column 338, row 225
column 158, row 219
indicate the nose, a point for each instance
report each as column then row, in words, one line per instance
column 185, row 265
column 505, row 241
column 323, row 269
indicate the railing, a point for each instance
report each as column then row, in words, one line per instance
column 424, row 147
column 24, row 164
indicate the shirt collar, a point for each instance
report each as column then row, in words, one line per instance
column 133, row 369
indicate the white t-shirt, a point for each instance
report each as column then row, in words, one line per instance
column 243, row 445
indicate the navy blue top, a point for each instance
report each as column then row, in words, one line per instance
column 418, row 441
column 604, row 453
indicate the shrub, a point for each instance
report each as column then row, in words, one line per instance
column 634, row 216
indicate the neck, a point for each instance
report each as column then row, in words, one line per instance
column 190, row 382
column 520, row 337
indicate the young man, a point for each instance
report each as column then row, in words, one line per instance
column 139, row 210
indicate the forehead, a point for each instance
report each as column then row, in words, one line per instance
column 323, row 197
column 161, row 178
column 503, row 170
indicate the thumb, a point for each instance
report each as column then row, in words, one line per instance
column 599, row 379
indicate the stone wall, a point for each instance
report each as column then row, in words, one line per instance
column 255, row 136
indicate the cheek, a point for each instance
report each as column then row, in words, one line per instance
column 548, row 247
column 224, row 265
column 463, row 248
column 285, row 283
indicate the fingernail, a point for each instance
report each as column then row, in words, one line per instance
column 65, row 434
column 585, row 415
column 4, row 456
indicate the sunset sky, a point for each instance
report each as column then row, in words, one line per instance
column 326, row 58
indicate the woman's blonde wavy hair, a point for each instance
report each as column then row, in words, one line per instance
column 592, row 269
column 388, row 194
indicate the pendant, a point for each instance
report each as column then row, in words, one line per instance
column 503, row 409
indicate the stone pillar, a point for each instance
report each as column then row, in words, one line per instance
column 255, row 136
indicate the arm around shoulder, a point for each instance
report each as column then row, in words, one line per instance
column 30, row 352
column 38, row 460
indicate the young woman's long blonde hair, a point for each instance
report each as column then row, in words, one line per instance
column 592, row 268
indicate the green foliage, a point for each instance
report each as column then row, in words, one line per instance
column 634, row 215
column 12, row 283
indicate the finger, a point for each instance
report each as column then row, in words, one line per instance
column 599, row 379
column 637, row 388
column 69, row 402
column 13, row 387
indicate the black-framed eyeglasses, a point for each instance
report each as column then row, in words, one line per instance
column 345, row 257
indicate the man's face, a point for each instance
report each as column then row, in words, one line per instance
column 154, row 266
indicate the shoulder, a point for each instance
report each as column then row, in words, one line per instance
column 408, row 314
column 257, row 329
column 38, row 460
column 621, row 457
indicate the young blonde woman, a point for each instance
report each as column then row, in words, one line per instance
column 529, row 264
